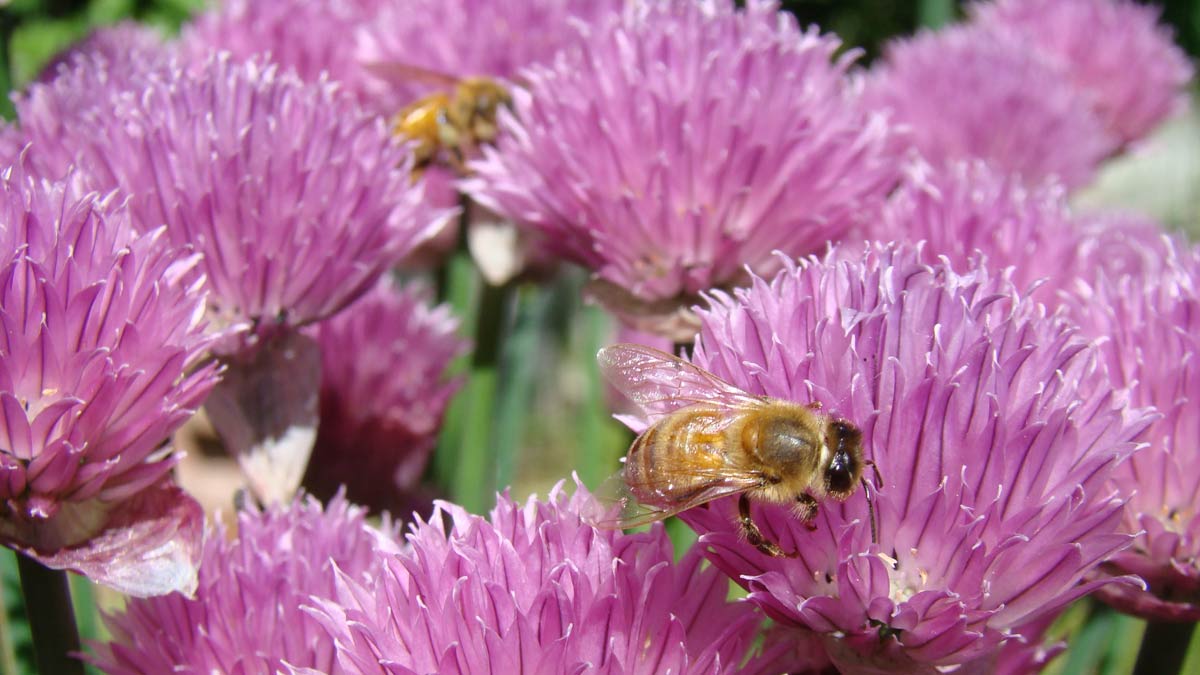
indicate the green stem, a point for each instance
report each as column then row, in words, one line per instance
column 1164, row 646
column 51, row 618
column 474, row 481
column 8, row 24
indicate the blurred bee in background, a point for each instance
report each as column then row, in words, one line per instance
column 711, row 439
column 451, row 123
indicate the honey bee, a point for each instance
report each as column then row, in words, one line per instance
column 709, row 439
column 450, row 124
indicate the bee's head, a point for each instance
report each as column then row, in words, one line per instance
column 846, row 463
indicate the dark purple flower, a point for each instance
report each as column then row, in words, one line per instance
column 383, row 392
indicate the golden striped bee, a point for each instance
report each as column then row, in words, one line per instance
column 450, row 124
column 709, row 439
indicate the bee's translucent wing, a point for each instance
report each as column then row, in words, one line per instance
column 661, row 383
column 407, row 73
column 618, row 508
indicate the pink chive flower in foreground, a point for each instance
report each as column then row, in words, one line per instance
column 987, row 96
column 1115, row 51
column 1149, row 329
column 993, row 430
column 383, row 392
column 533, row 589
column 714, row 136
column 100, row 346
column 248, row 614
column 284, row 32
column 296, row 198
column 463, row 38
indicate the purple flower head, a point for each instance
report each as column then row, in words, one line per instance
column 534, row 589
column 465, row 38
column 1148, row 324
column 99, row 364
column 126, row 47
column 311, row 37
column 712, row 136
column 383, row 393
column 297, row 199
column 963, row 93
column 80, row 89
column 993, row 432
column 966, row 208
column 1120, row 243
column 1115, row 51
column 247, row 615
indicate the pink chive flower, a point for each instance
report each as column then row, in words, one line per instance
column 101, row 343
column 1115, row 51
column 283, row 32
column 125, row 46
column 983, row 95
column 993, row 430
column 1148, row 326
column 248, row 614
column 296, row 198
column 965, row 208
column 463, row 38
column 383, row 392
column 534, row 589
column 713, row 136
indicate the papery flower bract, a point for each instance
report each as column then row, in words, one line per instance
column 713, row 136
column 993, row 432
column 297, row 199
column 534, row 589
column 965, row 93
column 247, row 614
column 285, row 31
column 383, row 393
column 1148, row 324
column 100, row 347
column 1113, row 50
column 464, row 38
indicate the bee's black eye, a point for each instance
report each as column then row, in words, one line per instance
column 845, row 467
column 840, row 475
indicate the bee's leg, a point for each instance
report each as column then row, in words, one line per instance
column 878, row 476
column 815, row 405
column 806, row 508
column 755, row 535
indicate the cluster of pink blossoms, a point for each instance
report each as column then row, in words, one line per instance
column 214, row 220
